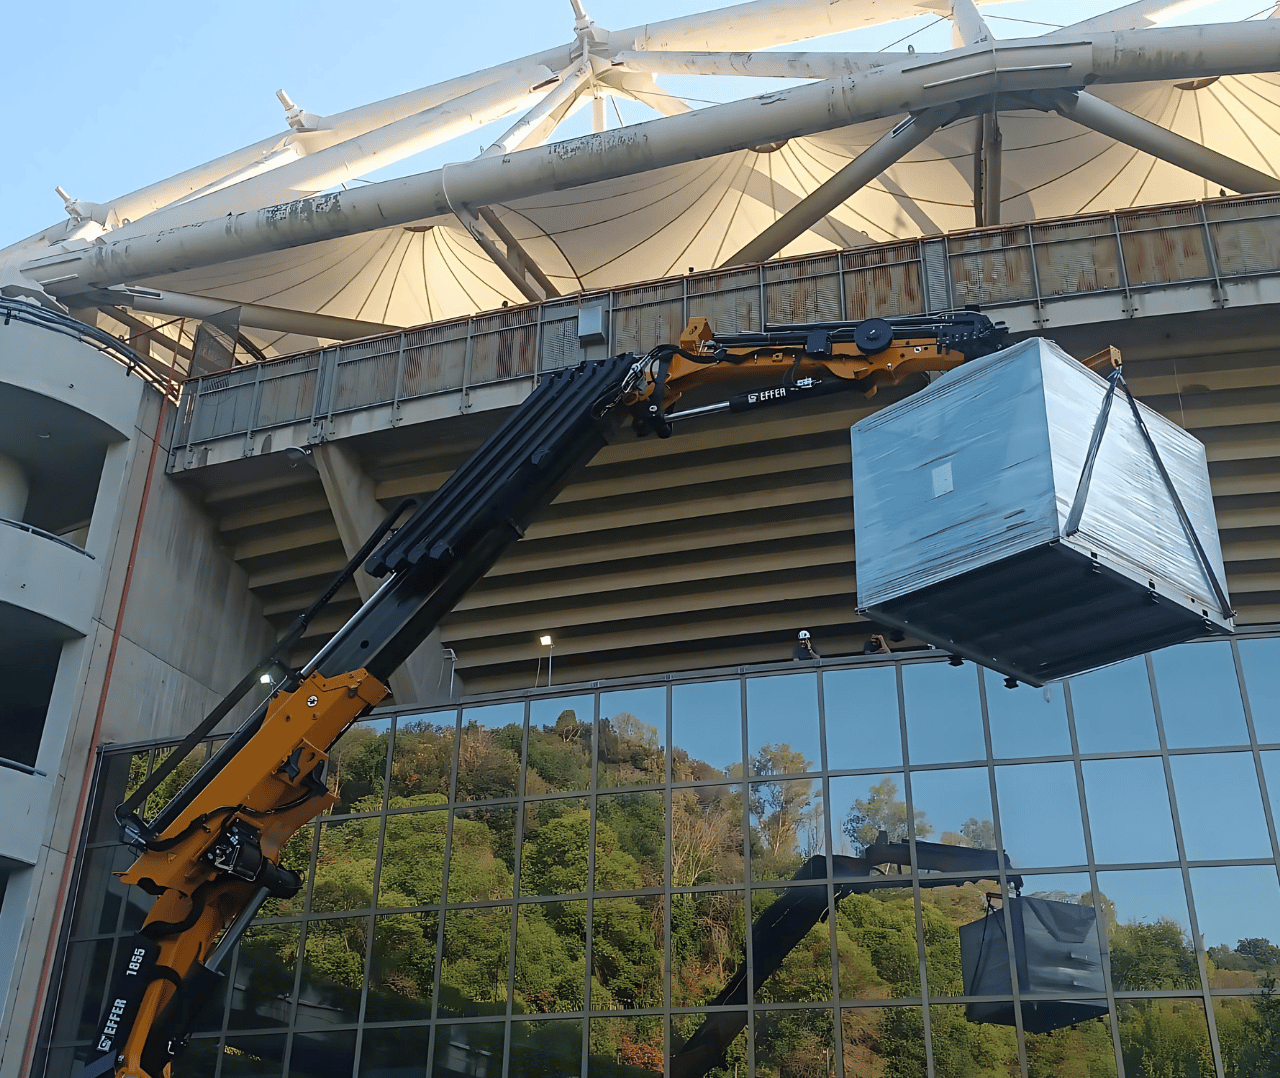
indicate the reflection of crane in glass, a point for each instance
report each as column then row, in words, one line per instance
column 1052, row 945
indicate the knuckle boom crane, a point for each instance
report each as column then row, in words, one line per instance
column 211, row 855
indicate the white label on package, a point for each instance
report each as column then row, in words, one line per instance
column 942, row 483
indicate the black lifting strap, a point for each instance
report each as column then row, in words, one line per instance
column 1114, row 379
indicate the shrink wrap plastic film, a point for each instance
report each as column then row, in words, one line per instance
column 983, row 466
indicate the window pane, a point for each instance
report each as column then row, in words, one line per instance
column 864, row 805
column 1199, row 695
column 1148, row 930
column 345, row 861
column 944, row 721
column 262, row 988
column 706, row 835
column 482, row 854
column 559, row 744
column 630, row 841
column 883, row 1040
column 962, row 1047
column 624, row 1048
column 489, row 751
column 403, row 968
column 803, row 973
column 553, row 859
column 1084, row 1048
column 633, row 736
column 295, row 855
column 1113, row 710
column 794, row 1042
column 954, row 807
column 472, row 1049
column 473, row 967
column 626, row 953
column 1215, row 788
column 788, row 828
column 1077, row 971
column 398, row 1052
column 539, row 1049
column 1261, row 662
column 1040, row 815
column 422, row 756
column 551, row 957
column 412, row 859
column 1165, row 1037
column 689, row 1044
column 782, row 724
column 706, row 730
column 945, row 910
column 85, row 977
column 707, row 944
column 1026, row 721
column 358, row 766
column 330, row 1054
column 876, row 955
column 1238, row 914
column 101, row 894
column 332, row 972
column 1271, row 769
column 1129, row 812
column 861, row 707
column 253, row 1057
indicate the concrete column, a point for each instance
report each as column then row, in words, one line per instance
column 426, row 677
column 13, row 489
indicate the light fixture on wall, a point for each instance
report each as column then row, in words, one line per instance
column 546, row 641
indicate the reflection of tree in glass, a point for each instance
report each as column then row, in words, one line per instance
column 551, row 962
column 554, row 860
column 413, row 854
column 707, row 940
column 1147, row 956
column 1082, row 1051
column 422, row 758
column 794, row 1044
column 626, row 954
column 1246, row 965
column 402, row 972
column 488, row 762
column 706, row 836
column 559, row 755
column 876, row 946
column 1249, row 1033
column 624, row 1047
column 637, row 824
column 783, row 809
column 962, row 1049
column 630, row 752
column 881, row 811
column 357, row 768
column 1165, row 1038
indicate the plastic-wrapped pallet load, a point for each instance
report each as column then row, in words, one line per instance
column 979, row 529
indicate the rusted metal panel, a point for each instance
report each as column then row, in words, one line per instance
column 991, row 266
column 288, row 390
column 1077, row 256
column 802, row 290
column 647, row 316
column 730, row 301
column 505, row 345
column 880, row 282
column 435, row 358
column 1165, row 245
column 366, row 373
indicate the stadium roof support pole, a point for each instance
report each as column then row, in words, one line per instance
column 987, row 159
column 880, row 155
column 1162, row 53
column 540, row 120
column 252, row 315
column 1116, row 123
column 766, row 65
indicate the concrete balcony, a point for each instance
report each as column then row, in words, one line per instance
column 47, row 585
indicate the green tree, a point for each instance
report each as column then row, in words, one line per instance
column 1152, row 955
column 881, row 811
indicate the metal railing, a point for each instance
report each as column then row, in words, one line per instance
column 1124, row 252
column 33, row 530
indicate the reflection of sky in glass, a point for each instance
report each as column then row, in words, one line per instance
column 544, row 712
column 1261, row 662
column 495, row 716
column 1129, row 814
column 886, row 811
column 1220, row 806
column 1040, row 814
column 1199, row 695
column 1112, row 709
column 706, row 721
column 1236, row 902
column 1061, row 886
column 1271, row 770
column 862, row 718
column 951, row 798
column 1023, row 722
column 783, row 710
column 944, row 719
column 647, row 705
column 1146, row 895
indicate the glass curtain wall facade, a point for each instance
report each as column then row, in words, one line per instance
column 562, row 882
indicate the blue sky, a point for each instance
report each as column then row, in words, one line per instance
column 105, row 100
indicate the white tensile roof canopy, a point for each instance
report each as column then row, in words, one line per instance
column 1108, row 113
